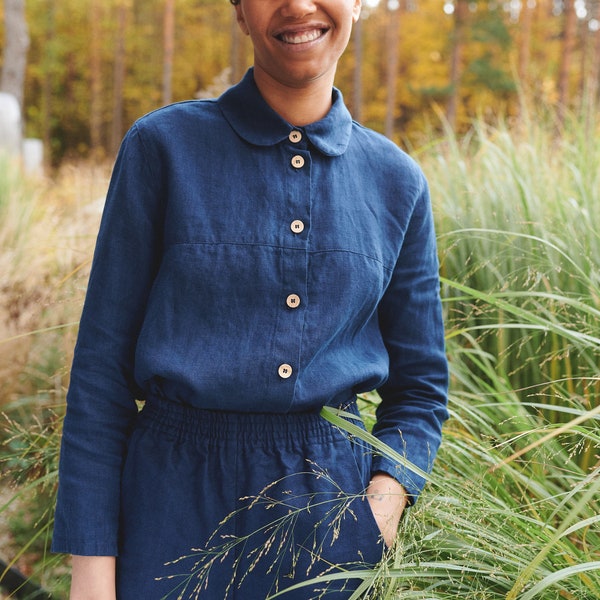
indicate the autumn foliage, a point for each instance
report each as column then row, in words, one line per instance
column 94, row 66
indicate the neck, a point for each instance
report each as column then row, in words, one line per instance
column 297, row 105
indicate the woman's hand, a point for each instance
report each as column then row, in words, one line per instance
column 93, row 578
column 387, row 499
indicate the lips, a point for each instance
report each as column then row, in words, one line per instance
column 301, row 37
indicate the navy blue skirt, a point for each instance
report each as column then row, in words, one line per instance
column 219, row 505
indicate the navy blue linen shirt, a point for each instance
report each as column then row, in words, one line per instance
column 245, row 264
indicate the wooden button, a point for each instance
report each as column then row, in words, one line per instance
column 293, row 301
column 297, row 161
column 297, row 226
column 295, row 136
column 285, row 371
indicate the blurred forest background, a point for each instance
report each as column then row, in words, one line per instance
column 93, row 66
column 498, row 101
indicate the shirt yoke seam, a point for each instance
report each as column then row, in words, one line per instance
column 282, row 247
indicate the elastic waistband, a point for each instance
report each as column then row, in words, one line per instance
column 189, row 423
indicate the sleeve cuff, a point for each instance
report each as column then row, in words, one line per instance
column 412, row 483
column 82, row 548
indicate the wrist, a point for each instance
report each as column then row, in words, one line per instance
column 382, row 483
column 387, row 499
column 93, row 578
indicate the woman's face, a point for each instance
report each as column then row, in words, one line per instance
column 298, row 42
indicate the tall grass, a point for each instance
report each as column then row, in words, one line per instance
column 492, row 526
column 47, row 230
column 519, row 222
column 512, row 509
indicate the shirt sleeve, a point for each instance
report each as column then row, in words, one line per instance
column 101, row 397
column 414, row 397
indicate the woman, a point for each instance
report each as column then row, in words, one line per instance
column 260, row 256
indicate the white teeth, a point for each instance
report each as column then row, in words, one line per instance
column 301, row 38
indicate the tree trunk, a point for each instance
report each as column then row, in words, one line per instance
column 96, row 78
column 525, row 43
column 16, row 44
column 568, row 48
column 169, row 50
column 590, row 71
column 393, row 59
column 460, row 17
column 238, row 50
column 119, row 76
column 48, row 80
column 357, row 98
column 594, row 83
column 234, row 58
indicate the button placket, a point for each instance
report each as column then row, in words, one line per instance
column 294, row 258
column 300, row 156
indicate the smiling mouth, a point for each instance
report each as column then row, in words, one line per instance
column 301, row 37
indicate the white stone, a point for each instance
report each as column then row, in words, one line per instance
column 10, row 124
column 33, row 156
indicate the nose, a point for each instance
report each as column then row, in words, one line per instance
column 297, row 9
